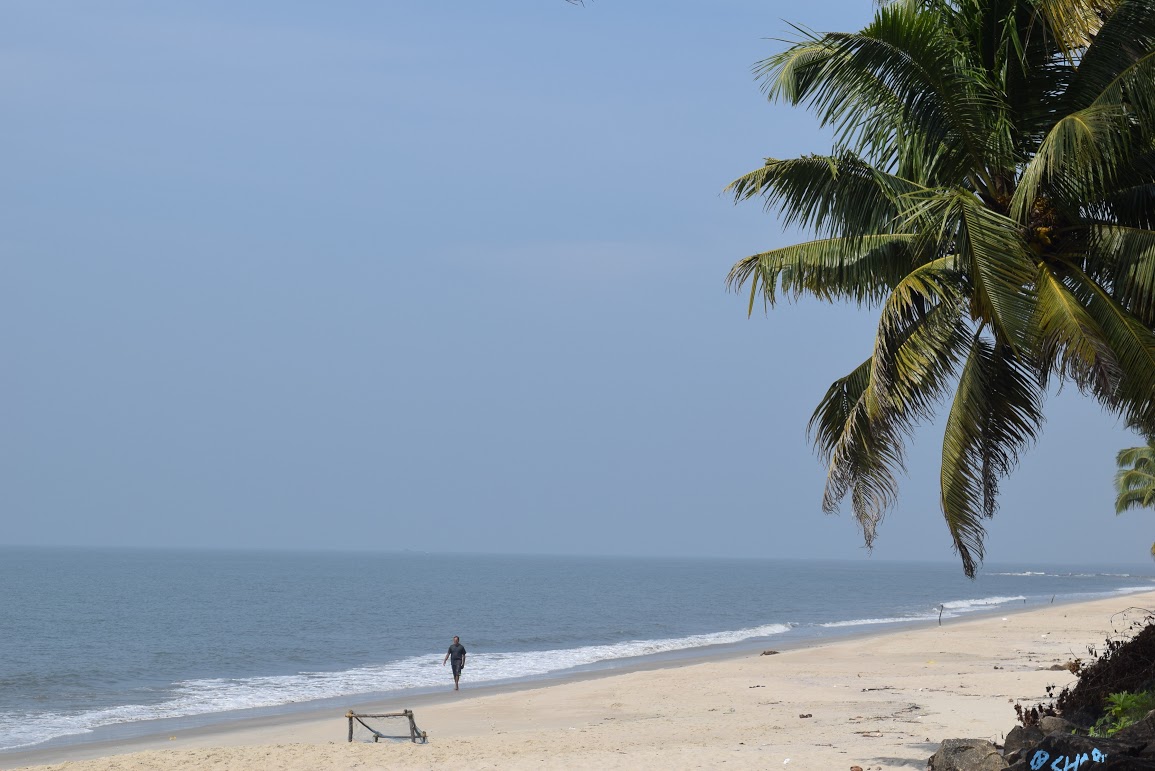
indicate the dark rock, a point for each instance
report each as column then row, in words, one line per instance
column 1121, row 763
column 769, row 653
column 1068, row 750
column 966, row 755
column 1124, row 763
column 1056, row 725
column 1140, row 732
column 1019, row 738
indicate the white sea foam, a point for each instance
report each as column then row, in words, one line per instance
column 1133, row 589
column 950, row 610
column 982, row 602
column 208, row 696
column 867, row 621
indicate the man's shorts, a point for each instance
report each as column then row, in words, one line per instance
column 457, row 665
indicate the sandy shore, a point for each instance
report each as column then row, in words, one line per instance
column 879, row 702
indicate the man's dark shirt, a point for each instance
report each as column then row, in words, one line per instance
column 456, row 652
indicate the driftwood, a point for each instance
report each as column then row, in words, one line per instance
column 415, row 734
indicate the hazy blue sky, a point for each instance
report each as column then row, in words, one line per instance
column 445, row 276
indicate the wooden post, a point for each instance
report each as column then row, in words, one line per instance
column 349, row 715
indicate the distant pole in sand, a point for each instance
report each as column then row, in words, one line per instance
column 940, row 607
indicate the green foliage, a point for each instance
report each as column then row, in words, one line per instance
column 1135, row 480
column 990, row 191
column 1123, row 709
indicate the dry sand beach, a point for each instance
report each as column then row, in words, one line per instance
column 879, row 702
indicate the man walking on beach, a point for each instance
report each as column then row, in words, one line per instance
column 456, row 659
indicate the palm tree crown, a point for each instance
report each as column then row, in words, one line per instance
column 1135, row 479
column 991, row 190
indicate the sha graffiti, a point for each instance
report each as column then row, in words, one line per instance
column 1039, row 761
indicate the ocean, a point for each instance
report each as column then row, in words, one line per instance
column 99, row 638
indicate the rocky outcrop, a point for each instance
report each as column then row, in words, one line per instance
column 1068, row 750
column 1061, row 749
column 1021, row 737
column 967, row 755
column 1051, row 724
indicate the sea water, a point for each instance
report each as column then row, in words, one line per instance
column 97, row 638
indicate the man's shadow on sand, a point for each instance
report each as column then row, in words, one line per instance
column 930, row 748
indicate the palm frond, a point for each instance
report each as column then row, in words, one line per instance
column 860, row 460
column 921, row 332
column 1070, row 341
column 1080, row 154
column 858, row 269
column 860, row 425
column 828, row 423
column 901, row 70
column 1133, row 345
column 1127, row 255
column 1126, row 37
column 1073, row 24
column 837, row 194
column 1135, row 480
column 995, row 415
column 1137, row 457
column 1133, row 91
column 1088, row 152
column 788, row 76
column 1141, row 498
column 1131, row 201
column 992, row 253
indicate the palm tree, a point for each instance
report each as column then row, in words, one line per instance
column 1135, row 480
column 991, row 191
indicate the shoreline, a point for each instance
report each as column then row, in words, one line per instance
column 177, row 660
column 146, row 732
column 443, row 715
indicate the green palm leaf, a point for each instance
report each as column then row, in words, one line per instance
column 992, row 254
column 920, row 334
column 1079, row 154
column 1073, row 24
column 1126, row 36
column 1070, row 341
column 996, row 414
column 1126, row 257
column 860, row 425
column 860, row 458
column 1134, row 349
column 1135, row 480
column 900, row 70
column 858, row 269
column 842, row 195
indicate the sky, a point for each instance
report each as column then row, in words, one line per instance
column 444, row 276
